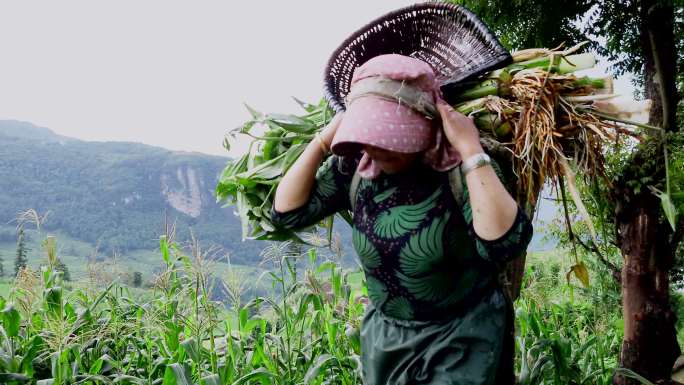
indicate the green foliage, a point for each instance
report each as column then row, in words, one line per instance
column 249, row 182
column 64, row 269
column 560, row 345
column 20, row 260
column 305, row 331
column 611, row 26
column 618, row 23
column 567, row 334
column 179, row 335
column 675, row 172
column 523, row 24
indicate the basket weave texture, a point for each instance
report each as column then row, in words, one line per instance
column 450, row 38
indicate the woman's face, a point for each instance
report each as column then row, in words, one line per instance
column 390, row 161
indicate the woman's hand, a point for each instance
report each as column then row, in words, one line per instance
column 328, row 133
column 493, row 208
column 295, row 187
column 460, row 130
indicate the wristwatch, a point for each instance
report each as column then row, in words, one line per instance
column 475, row 161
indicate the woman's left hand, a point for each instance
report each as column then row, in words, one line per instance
column 494, row 210
column 460, row 130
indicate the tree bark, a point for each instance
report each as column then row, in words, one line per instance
column 649, row 345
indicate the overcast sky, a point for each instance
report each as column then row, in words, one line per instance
column 164, row 72
column 169, row 73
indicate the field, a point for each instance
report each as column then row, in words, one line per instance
column 302, row 326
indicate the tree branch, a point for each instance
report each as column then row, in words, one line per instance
column 614, row 270
column 661, row 41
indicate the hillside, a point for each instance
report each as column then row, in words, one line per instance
column 114, row 194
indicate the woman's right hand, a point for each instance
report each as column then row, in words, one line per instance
column 328, row 133
column 295, row 187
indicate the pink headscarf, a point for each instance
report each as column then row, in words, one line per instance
column 390, row 125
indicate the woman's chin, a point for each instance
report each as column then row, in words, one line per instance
column 393, row 168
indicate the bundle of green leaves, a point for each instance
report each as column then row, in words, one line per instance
column 249, row 182
column 536, row 108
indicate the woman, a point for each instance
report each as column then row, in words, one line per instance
column 437, row 313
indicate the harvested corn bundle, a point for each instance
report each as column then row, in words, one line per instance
column 536, row 109
column 249, row 182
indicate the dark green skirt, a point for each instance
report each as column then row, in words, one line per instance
column 473, row 348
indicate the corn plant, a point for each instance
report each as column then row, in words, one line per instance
column 304, row 331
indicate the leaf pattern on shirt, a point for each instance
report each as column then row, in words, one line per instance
column 399, row 220
column 384, row 195
column 459, row 244
column 467, row 210
column 370, row 258
column 316, row 205
column 377, row 292
column 425, row 249
column 399, row 307
column 326, row 184
column 430, row 287
column 313, row 209
column 467, row 280
column 397, row 240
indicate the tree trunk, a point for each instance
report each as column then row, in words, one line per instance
column 650, row 346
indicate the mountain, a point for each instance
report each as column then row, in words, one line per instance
column 115, row 194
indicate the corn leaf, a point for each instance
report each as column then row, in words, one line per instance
column 126, row 379
column 243, row 211
column 581, row 272
column 577, row 198
column 213, row 379
column 255, row 114
column 322, row 363
column 669, row 209
column 176, row 374
column 291, row 123
column 6, row 378
column 261, row 374
column 192, row 349
column 11, row 320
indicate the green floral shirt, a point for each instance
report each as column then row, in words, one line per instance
column 421, row 257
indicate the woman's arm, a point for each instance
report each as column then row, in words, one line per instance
column 295, row 187
column 494, row 211
column 493, row 208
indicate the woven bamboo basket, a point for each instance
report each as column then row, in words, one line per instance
column 449, row 37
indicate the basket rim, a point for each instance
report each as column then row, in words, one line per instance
column 503, row 58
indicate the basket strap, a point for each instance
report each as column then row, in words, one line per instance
column 456, row 184
column 354, row 189
column 396, row 91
